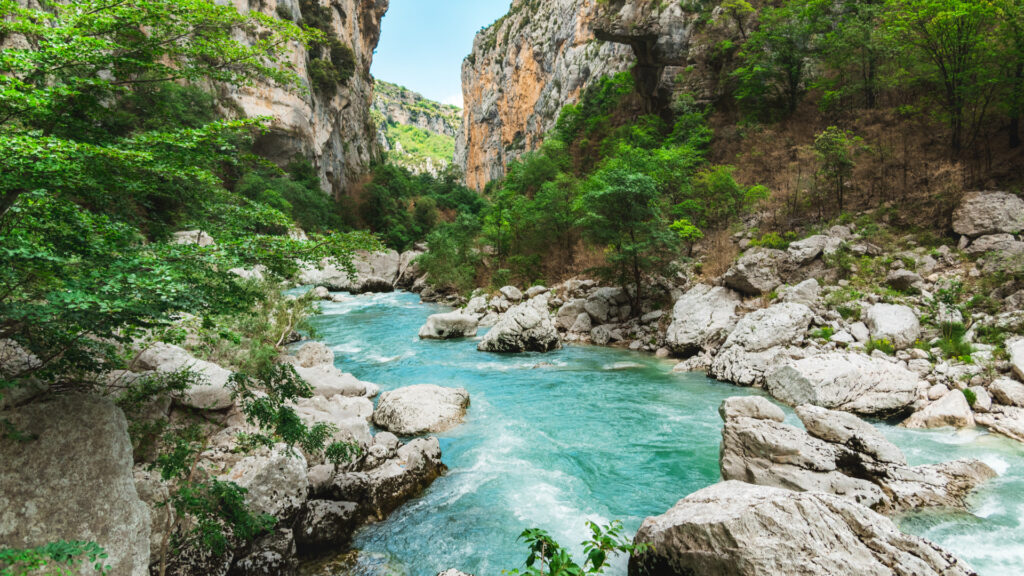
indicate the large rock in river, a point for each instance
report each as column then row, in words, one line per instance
column 526, row 327
column 839, row 454
column 761, row 341
column 449, row 325
column 73, row 480
column 739, row 529
column 982, row 213
column 702, row 318
column 420, row 409
column 845, row 381
column 375, row 272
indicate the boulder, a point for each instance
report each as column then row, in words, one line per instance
column 839, row 454
column 449, row 325
column 983, row 400
column 476, row 307
column 702, row 318
column 325, row 525
column 255, row 274
column 314, row 354
column 73, row 480
column 582, row 325
column 511, row 293
column 760, row 342
column 534, row 291
column 272, row 554
column 275, row 480
column 982, row 213
column 806, row 293
column 194, row 237
column 1005, row 243
column 374, row 272
column 383, row 489
column 153, row 491
column 408, row 269
column 903, row 280
column 758, row 271
column 212, row 394
column 350, row 416
column 738, row 529
column 845, row 381
column 1006, row 420
column 1008, row 392
column 526, row 327
column 1015, row 351
column 806, row 250
column 895, row 323
column 328, row 381
column 569, row 312
column 420, row 409
column 750, row 407
column 950, row 410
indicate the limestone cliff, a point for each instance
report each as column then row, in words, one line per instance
column 543, row 54
column 330, row 126
column 413, row 131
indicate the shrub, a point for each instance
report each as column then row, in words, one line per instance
column 824, row 333
column 952, row 342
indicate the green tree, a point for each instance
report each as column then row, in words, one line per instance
column 621, row 211
column 856, row 51
column 835, row 150
column 956, row 39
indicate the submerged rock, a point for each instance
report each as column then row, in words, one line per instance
column 702, row 318
column 449, row 325
column 738, row 529
column 524, row 328
column 845, row 381
column 422, row 408
column 73, row 480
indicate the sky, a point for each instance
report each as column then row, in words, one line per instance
column 423, row 42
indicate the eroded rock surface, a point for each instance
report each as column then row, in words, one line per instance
column 420, row 409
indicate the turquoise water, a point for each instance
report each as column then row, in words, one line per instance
column 586, row 433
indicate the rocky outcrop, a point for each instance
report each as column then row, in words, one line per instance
column 758, row 271
column 331, row 126
column 449, row 325
column 420, row 409
column 523, row 69
column 702, row 318
column 72, row 479
column 738, row 529
column 526, row 327
column 314, row 363
column 374, row 272
column 839, row 454
column 845, row 381
column 952, row 409
column 274, row 479
column 982, row 213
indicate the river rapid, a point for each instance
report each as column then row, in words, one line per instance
column 589, row 433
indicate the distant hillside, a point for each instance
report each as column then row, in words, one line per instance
column 415, row 132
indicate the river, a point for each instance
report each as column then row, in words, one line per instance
column 589, row 433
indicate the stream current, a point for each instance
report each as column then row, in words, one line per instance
column 589, row 433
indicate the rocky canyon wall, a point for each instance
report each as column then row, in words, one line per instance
column 544, row 54
column 331, row 127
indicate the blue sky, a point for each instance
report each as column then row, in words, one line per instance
column 423, row 42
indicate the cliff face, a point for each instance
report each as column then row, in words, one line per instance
column 523, row 69
column 332, row 126
column 414, row 132
column 542, row 55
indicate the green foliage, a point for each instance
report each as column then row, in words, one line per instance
column 418, row 145
column 835, row 150
column 971, row 397
column 548, row 558
column 824, row 333
column 452, row 259
column 62, row 558
column 883, row 344
column 295, row 192
column 774, row 240
column 952, row 342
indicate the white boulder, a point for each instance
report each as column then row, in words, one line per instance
column 702, row 318
column 895, row 323
column 449, row 325
column 420, row 409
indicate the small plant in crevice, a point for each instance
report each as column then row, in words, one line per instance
column 970, row 396
column 953, row 343
column 883, row 344
column 824, row 333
